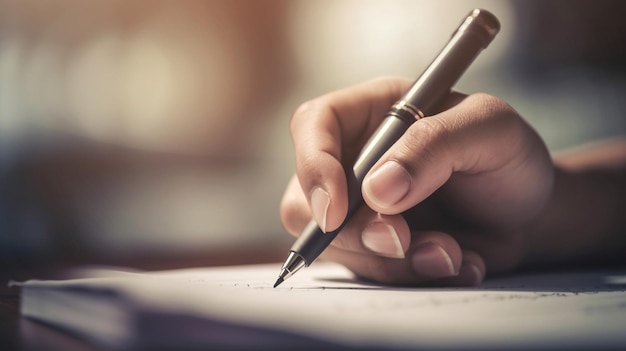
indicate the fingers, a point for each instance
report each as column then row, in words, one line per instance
column 381, row 247
column 491, row 172
column 328, row 133
column 433, row 258
column 479, row 134
column 294, row 209
column 373, row 233
column 367, row 231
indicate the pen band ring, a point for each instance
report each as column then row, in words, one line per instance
column 408, row 107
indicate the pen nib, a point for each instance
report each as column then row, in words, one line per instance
column 293, row 264
column 279, row 281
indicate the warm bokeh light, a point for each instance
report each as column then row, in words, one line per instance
column 356, row 40
column 161, row 125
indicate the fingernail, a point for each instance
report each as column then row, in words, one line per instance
column 382, row 239
column 388, row 184
column 320, row 200
column 432, row 260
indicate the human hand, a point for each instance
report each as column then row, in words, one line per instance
column 451, row 200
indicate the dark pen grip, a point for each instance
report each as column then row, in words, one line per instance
column 385, row 136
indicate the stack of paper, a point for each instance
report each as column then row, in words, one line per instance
column 324, row 306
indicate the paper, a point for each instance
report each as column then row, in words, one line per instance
column 325, row 303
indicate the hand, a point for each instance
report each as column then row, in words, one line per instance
column 450, row 201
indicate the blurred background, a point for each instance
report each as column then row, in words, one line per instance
column 133, row 129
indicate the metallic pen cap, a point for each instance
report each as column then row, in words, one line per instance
column 475, row 33
column 481, row 22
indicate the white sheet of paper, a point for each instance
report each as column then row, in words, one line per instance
column 325, row 302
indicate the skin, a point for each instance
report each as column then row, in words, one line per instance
column 467, row 191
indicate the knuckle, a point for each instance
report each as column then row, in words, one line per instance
column 421, row 141
column 307, row 163
column 309, row 171
column 512, row 127
column 304, row 111
column 490, row 106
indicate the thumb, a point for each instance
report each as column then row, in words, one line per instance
column 479, row 134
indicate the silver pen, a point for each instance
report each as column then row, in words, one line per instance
column 474, row 34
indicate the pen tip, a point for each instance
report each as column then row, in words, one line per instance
column 278, row 282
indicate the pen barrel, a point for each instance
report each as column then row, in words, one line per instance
column 474, row 34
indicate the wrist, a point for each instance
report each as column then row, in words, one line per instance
column 584, row 220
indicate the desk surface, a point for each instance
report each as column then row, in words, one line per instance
column 18, row 333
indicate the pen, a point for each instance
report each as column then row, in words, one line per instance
column 474, row 34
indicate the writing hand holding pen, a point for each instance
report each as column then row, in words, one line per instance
column 469, row 190
column 448, row 199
